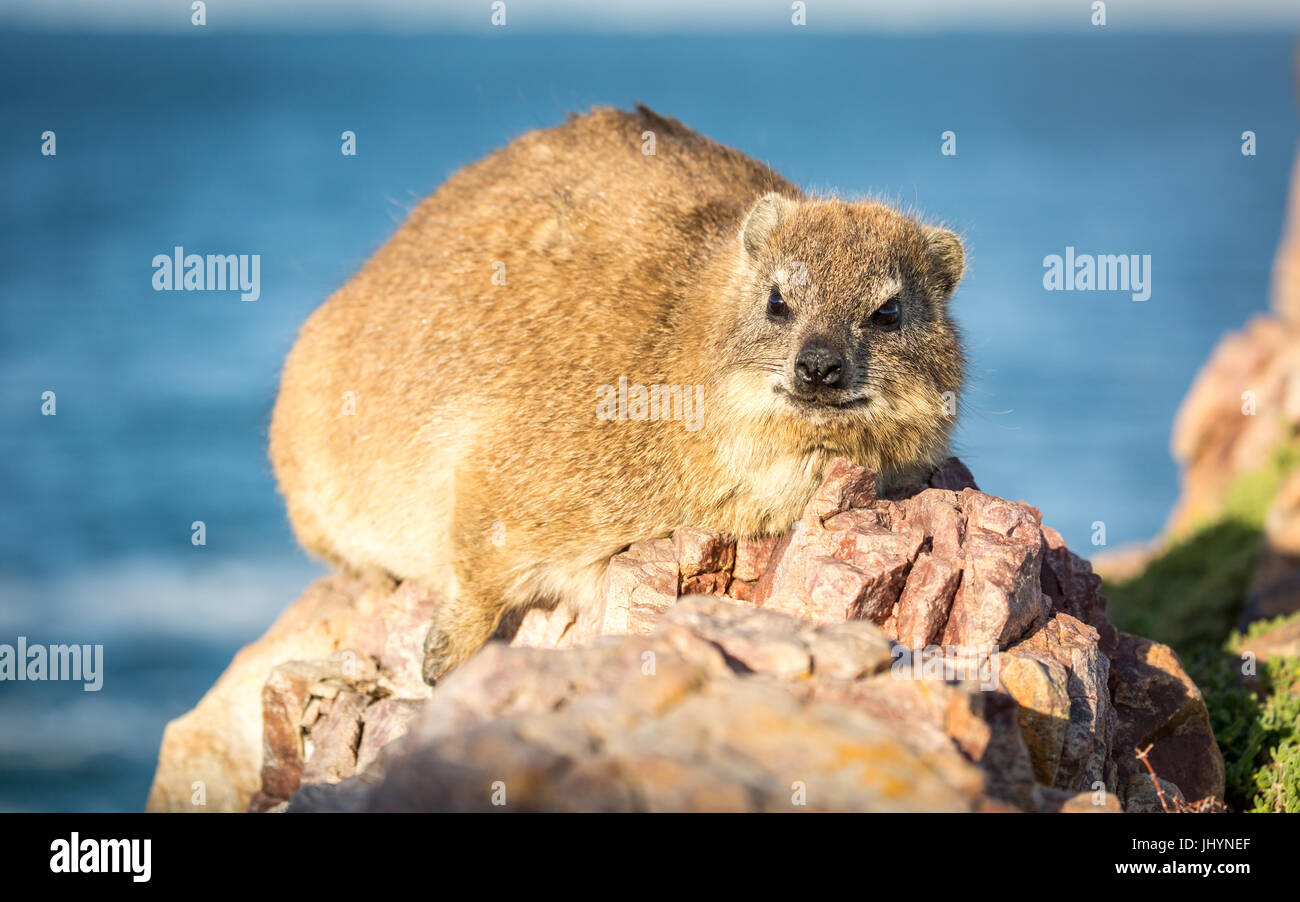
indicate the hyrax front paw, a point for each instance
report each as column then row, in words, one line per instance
column 439, row 659
column 460, row 627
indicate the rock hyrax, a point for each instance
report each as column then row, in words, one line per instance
column 604, row 331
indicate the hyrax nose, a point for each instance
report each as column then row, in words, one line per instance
column 818, row 365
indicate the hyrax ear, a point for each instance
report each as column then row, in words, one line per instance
column 947, row 260
column 763, row 218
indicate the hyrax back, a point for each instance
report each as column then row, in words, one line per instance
column 470, row 410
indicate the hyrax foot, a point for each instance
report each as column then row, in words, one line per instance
column 460, row 627
column 438, row 657
column 445, row 649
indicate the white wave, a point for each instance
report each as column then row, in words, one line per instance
column 222, row 600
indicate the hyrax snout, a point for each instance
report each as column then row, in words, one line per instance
column 597, row 334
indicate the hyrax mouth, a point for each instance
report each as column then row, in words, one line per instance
column 823, row 402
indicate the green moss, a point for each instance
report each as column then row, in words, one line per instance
column 1189, row 598
column 1250, row 494
column 1258, row 732
column 1260, row 627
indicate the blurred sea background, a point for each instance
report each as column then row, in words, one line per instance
column 1107, row 140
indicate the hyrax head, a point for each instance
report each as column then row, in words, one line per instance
column 841, row 321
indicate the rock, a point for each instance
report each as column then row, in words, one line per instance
column 699, row 551
column 757, row 641
column 559, row 627
column 311, row 722
column 1286, row 263
column 400, row 621
column 1086, row 746
column 1074, row 589
column 845, row 486
column 1159, row 706
column 640, row 584
column 1058, row 801
column 1040, row 733
column 926, row 600
column 285, row 697
column 1244, row 402
column 706, row 584
column 752, row 556
column 218, row 744
column 1000, row 593
column 1142, row 797
column 796, row 689
column 1039, row 684
column 952, row 476
column 628, row 738
column 332, row 754
column 384, row 721
column 740, row 589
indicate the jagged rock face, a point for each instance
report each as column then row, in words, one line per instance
column 1244, row 403
column 1246, row 398
column 1286, row 264
column 670, row 721
column 762, row 675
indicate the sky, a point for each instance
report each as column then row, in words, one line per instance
column 653, row 15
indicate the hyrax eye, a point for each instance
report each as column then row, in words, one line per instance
column 776, row 305
column 888, row 314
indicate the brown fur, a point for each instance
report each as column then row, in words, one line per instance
column 475, row 462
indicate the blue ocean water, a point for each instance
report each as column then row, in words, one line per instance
column 230, row 144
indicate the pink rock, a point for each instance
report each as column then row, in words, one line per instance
column 777, row 569
column 1074, row 589
column 284, row 701
column 846, row 486
column 936, row 514
column 1013, row 519
column 752, row 556
column 833, row 591
column 334, row 741
column 706, row 584
column 929, row 566
column 405, row 619
column 1000, row 594
column 384, row 721
column 702, row 551
column 1085, row 751
column 926, row 600
column 557, row 627
column 640, row 584
column 1213, row 440
column 865, row 539
column 741, row 590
